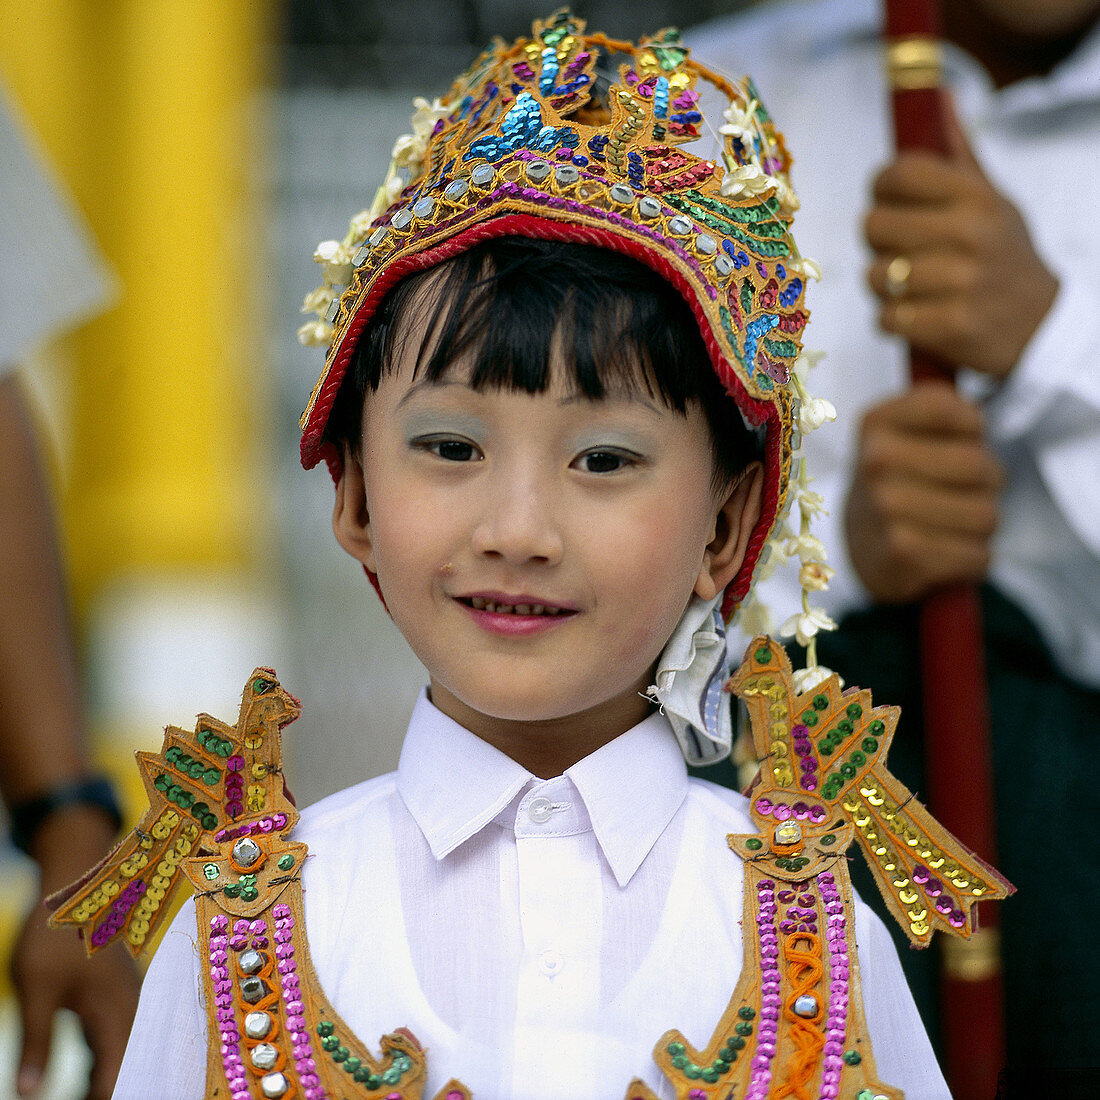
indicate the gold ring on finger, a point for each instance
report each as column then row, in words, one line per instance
column 898, row 271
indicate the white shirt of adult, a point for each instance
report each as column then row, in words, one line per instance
column 537, row 936
column 819, row 67
column 51, row 273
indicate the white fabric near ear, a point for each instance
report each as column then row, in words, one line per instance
column 691, row 672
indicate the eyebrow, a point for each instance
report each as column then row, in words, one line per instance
column 632, row 396
column 422, row 384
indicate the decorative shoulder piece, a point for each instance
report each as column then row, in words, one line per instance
column 795, row 1025
column 202, row 785
column 824, row 781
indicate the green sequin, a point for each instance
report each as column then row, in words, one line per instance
column 746, row 1012
column 854, row 710
column 784, row 349
column 829, row 838
column 853, row 1057
column 286, row 862
column 870, row 744
column 753, row 844
column 744, row 1028
column 859, row 758
column 211, row 870
column 821, row 702
column 877, row 727
column 351, row 1064
column 325, row 1028
column 809, row 718
column 232, row 891
column 675, row 1049
column 763, row 655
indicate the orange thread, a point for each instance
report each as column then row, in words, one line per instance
column 804, row 971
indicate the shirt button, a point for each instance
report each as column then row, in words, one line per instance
column 539, row 810
column 550, row 963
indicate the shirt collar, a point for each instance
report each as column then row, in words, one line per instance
column 454, row 785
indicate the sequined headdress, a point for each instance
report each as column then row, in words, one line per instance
column 534, row 142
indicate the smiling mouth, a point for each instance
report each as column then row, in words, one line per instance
column 479, row 603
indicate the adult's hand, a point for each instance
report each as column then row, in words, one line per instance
column 922, row 507
column 977, row 289
column 50, row 969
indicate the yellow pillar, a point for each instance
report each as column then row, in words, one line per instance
column 149, row 110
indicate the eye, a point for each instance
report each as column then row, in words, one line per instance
column 605, row 462
column 450, row 450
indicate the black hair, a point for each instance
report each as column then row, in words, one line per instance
column 507, row 303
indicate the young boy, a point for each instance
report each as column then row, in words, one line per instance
column 557, row 414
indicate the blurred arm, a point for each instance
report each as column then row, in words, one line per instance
column 42, row 746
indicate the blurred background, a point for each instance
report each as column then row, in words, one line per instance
column 209, row 147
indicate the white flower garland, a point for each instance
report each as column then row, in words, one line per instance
column 337, row 257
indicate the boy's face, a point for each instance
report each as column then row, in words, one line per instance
column 537, row 551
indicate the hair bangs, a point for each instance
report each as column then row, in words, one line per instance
column 512, row 310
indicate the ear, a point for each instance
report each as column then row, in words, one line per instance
column 733, row 526
column 350, row 515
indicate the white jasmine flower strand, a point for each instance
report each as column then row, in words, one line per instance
column 336, row 257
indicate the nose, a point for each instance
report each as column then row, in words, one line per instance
column 518, row 520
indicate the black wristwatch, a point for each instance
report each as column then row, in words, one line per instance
column 27, row 817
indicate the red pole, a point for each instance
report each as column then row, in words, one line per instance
column 958, row 750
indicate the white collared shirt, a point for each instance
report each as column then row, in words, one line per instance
column 537, row 936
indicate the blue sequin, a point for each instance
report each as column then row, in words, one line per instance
column 789, row 295
column 753, row 331
column 549, row 70
column 660, row 97
column 521, row 129
column 739, row 256
column 687, row 116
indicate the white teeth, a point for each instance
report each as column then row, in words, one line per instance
column 479, row 603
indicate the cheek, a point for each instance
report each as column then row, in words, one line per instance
column 400, row 534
